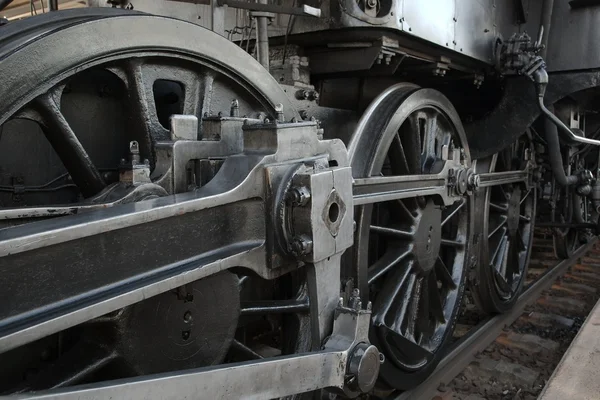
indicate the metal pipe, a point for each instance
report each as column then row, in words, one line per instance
column 556, row 162
column 545, row 22
column 53, row 5
column 262, row 39
column 564, row 130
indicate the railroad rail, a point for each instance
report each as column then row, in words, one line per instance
column 478, row 338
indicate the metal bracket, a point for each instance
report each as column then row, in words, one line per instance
column 305, row 10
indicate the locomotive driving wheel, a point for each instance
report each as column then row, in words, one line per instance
column 81, row 90
column 568, row 207
column 412, row 253
column 508, row 213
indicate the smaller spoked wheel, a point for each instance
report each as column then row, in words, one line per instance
column 566, row 240
column 413, row 251
column 507, row 214
column 567, row 207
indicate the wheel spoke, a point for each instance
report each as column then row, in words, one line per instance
column 411, row 144
column 429, row 128
column 413, row 309
column 498, row 207
column 525, row 196
column 453, row 243
column 206, row 83
column 513, row 263
column 424, row 322
column 71, row 368
column 391, row 291
column 387, row 262
column 524, row 218
column 142, row 108
column 245, row 350
column 505, row 257
column 499, row 254
column 407, row 213
column 504, row 194
column 405, row 298
column 435, row 300
column 497, row 228
column 397, row 157
column 453, row 212
column 521, row 242
column 443, row 274
column 392, row 232
column 68, row 147
column 502, row 282
column 498, row 247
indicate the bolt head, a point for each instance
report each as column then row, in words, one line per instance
column 301, row 246
column 134, row 147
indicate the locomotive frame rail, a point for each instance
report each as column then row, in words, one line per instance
column 464, row 350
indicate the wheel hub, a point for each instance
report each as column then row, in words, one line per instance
column 428, row 237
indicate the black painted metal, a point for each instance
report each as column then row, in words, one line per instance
column 41, row 284
column 415, row 251
column 460, row 354
column 506, row 216
column 518, row 109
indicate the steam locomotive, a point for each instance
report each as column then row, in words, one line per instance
column 288, row 199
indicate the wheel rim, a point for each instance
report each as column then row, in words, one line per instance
column 411, row 253
column 508, row 226
column 133, row 68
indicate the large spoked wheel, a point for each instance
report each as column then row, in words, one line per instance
column 412, row 253
column 508, row 214
column 78, row 86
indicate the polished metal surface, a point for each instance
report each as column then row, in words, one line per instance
column 488, row 179
column 266, row 379
column 164, row 270
column 263, row 379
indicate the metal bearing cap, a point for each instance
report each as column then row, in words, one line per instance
column 363, row 368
